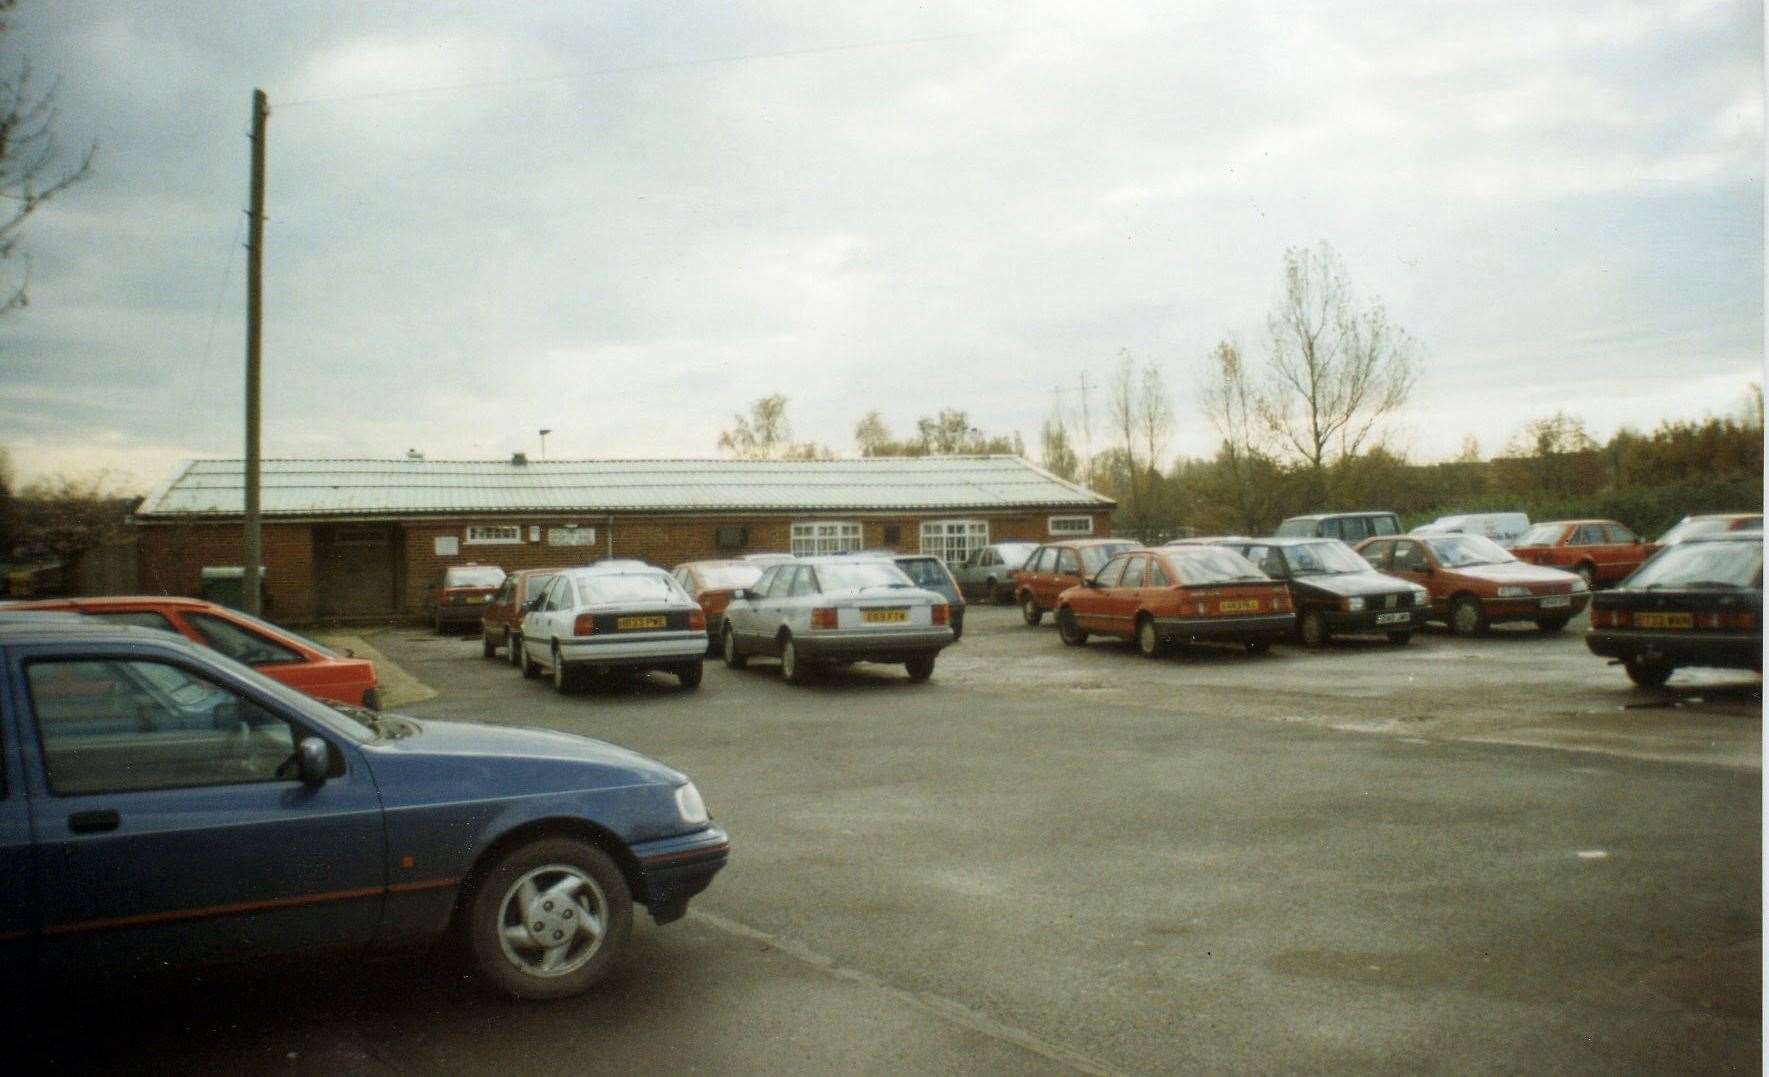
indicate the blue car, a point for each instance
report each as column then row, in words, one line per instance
column 163, row 805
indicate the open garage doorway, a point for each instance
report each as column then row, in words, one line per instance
column 356, row 570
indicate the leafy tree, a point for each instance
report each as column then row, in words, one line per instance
column 762, row 433
column 60, row 517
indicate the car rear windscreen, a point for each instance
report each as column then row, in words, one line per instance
column 473, row 576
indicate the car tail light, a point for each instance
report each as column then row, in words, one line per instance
column 697, row 619
column 823, row 617
column 585, row 625
column 1740, row 621
column 942, row 614
column 1610, row 619
column 1281, row 604
column 1707, row 620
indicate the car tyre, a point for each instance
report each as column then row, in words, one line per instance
column 563, row 681
column 920, row 668
column 1030, row 611
column 513, row 643
column 1466, row 618
column 1067, row 628
column 1400, row 639
column 499, row 916
column 487, row 647
column 1312, row 629
column 734, row 658
column 530, row 668
column 1550, row 625
column 1647, row 673
column 689, row 675
column 1588, row 573
column 1148, row 638
column 792, row 669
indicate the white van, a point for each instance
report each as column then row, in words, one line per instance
column 1502, row 527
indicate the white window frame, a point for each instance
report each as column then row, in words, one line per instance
column 814, row 537
column 1064, row 525
column 494, row 535
column 952, row 541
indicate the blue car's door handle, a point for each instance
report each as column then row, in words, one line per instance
column 94, row 822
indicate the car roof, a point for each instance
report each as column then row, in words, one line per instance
column 23, row 626
column 525, row 573
column 1337, row 515
column 844, row 559
column 1088, row 542
column 614, row 568
column 97, row 601
column 1749, row 535
column 1300, row 540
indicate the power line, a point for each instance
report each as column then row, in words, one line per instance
column 598, row 72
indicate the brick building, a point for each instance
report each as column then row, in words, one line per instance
column 348, row 539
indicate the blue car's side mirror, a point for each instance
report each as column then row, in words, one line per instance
column 313, row 761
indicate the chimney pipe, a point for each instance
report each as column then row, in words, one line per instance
column 519, row 459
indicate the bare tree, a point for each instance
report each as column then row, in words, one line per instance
column 1056, row 450
column 872, row 435
column 1335, row 372
column 1232, row 405
column 31, row 168
column 762, row 434
column 1142, row 420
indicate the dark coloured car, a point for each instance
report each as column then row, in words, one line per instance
column 167, row 806
column 931, row 574
column 1710, row 523
column 459, row 596
column 1696, row 603
column 1336, row 592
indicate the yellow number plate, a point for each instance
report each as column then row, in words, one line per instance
column 1664, row 620
column 628, row 624
column 1239, row 605
column 885, row 617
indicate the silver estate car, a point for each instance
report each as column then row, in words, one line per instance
column 836, row 610
column 987, row 574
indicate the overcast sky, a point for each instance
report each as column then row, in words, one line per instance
column 624, row 221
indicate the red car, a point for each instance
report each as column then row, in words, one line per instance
column 277, row 653
column 1602, row 551
column 500, row 621
column 1056, row 566
column 713, row 583
column 461, row 594
column 1177, row 594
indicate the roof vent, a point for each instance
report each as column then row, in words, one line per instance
column 413, row 454
column 519, row 459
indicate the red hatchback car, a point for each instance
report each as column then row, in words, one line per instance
column 1176, row 595
column 1602, row 551
column 713, row 584
column 277, row 653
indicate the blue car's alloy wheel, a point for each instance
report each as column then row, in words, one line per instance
column 549, row 918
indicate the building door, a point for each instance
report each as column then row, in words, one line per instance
column 355, row 570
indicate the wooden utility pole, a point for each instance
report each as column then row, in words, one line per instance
column 252, row 585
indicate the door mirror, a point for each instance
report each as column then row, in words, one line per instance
column 313, row 761
column 1091, row 581
column 533, row 604
column 741, row 593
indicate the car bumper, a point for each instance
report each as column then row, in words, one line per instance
column 1531, row 609
column 675, row 869
column 460, row 615
column 872, row 645
column 1720, row 650
column 1351, row 623
column 649, row 649
column 1269, row 626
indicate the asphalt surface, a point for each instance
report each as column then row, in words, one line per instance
column 1459, row 856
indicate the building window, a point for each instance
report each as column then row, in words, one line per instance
column 490, row 536
column 820, row 537
column 953, row 540
column 571, row 535
column 1071, row 525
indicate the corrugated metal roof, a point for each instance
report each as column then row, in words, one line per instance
column 427, row 487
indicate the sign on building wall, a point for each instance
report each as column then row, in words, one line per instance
column 571, row 536
column 448, row 546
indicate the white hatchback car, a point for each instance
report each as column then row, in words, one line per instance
column 613, row 615
column 836, row 610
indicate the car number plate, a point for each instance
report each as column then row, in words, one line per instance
column 628, row 624
column 1392, row 618
column 1664, row 620
column 885, row 617
column 1239, row 605
column 478, row 598
column 1556, row 602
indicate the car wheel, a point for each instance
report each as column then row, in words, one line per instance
column 1588, row 573
column 734, row 658
column 513, row 643
column 487, row 648
column 1647, row 673
column 1400, row 639
column 371, row 699
column 920, row 668
column 1550, row 625
column 1148, row 638
column 530, row 668
column 1312, row 628
column 549, row 919
column 1029, row 609
column 562, row 678
column 690, row 674
column 1067, row 628
column 1466, row 618
column 791, row 668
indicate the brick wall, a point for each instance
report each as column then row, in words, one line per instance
column 172, row 559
